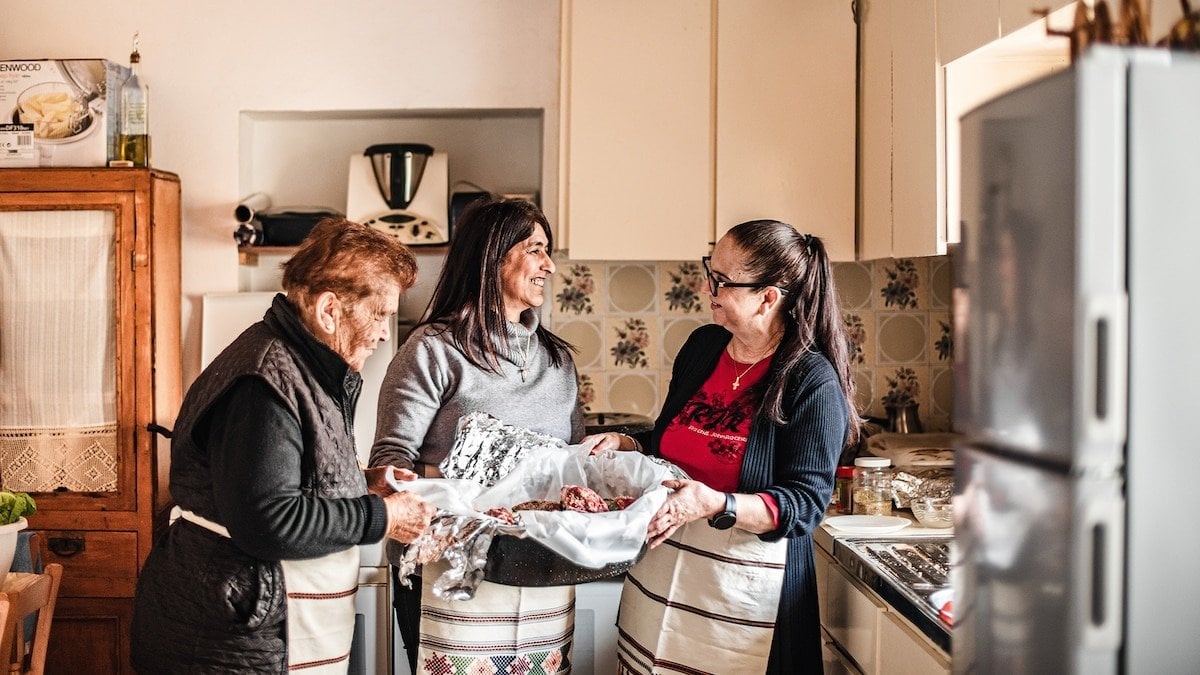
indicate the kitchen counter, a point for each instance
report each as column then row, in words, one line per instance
column 903, row 569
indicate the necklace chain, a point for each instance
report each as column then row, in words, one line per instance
column 525, row 356
column 737, row 380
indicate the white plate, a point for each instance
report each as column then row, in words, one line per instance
column 868, row 524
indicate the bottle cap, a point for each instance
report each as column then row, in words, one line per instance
column 873, row 462
column 845, row 472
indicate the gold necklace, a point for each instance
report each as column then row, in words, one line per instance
column 737, row 380
column 525, row 356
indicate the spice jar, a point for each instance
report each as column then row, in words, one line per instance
column 843, row 490
column 872, row 486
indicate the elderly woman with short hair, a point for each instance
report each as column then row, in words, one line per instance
column 258, row 570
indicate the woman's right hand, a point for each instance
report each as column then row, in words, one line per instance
column 610, row 440
column 408, row 516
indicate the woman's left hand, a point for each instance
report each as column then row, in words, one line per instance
column 607, row 440
column 689, row 500
column 377, row 479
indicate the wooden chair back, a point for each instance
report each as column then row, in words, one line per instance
column 21, row 595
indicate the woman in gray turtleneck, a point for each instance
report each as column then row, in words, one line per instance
column 482, row 349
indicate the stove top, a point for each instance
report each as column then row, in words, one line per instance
column 916, row 568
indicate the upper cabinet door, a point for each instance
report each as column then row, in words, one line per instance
column 637, row 103
column 902, row 177
column 785, row 117
column 682, row 118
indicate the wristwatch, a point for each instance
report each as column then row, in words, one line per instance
column 725, row 519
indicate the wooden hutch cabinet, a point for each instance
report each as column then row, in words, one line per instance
column 89, row 363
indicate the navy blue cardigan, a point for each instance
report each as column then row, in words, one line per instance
column 794, row 463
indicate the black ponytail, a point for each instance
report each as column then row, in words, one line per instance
column 798, row 264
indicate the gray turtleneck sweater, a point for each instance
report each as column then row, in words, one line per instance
column 430, row 384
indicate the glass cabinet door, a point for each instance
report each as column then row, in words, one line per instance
column 65, row 339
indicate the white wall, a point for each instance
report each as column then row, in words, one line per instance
column 208, row 60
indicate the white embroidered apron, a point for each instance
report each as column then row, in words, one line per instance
column 503, row 629
column 320, row 604
column 705, row 601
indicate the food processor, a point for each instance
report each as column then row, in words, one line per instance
column 401, row 189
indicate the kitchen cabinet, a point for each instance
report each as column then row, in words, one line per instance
column 708, row 114
column 862, row 633
column 904, row 651
column 850, row 613
column 908, row 180
column 90, row 360
column 901, row 175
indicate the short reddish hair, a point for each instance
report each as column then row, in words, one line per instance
column 351, row 260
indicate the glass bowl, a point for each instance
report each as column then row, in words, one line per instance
column 934, row 512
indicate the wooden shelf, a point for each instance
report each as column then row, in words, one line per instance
column 248, row 255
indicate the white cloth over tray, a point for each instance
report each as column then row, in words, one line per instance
column 591, row 540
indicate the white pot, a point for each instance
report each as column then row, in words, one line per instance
column 8, row 543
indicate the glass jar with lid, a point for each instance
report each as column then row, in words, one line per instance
column 872, row 486
column 843, row 494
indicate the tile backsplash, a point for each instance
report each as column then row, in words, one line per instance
column 629, row 319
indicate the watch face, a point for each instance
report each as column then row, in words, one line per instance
column 723, row 520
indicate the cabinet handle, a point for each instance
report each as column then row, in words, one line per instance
column 65, row 547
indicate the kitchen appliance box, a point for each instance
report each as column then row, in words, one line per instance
column 94, row 83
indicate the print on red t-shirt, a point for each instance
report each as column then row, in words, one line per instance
column 707, row 439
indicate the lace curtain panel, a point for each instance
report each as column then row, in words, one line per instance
column 58, row 425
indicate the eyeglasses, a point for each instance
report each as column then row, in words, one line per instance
column 715, row 285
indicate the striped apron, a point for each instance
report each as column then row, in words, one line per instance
column 503, row 629
column 705, row 601
column 320, row 605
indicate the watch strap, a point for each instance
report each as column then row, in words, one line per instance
column 726, row 518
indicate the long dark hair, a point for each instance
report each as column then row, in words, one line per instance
column 469, row 299
column 798, row 263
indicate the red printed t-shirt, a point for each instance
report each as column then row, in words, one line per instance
column 707, row 439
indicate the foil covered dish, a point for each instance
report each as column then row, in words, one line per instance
column 519, row 508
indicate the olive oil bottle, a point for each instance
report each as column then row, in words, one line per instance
column 133, row 141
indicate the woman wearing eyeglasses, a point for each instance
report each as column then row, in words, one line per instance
column 759, row 408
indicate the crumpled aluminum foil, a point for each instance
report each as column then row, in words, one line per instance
column 492, row 464
column 463, row 541
column 486, row 449
column 908, row 485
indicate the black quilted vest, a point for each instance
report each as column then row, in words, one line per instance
column 315, row 383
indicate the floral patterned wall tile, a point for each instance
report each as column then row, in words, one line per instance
column 941, row 282
column 903, row 385
column 588, row 338
column 941, row 396
column 864, row 390
column 630, row 319
column 901, row 337
column 675, row 332
column 683, row 285
column 632, row 343
column 860, row 332
column 576, row 291
column 632, row 289
column 635, row 393
column 941, row 337
column 902, row 284
column 855, row 285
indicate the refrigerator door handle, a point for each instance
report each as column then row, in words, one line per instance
column 1102, row 533
column 1103, row 370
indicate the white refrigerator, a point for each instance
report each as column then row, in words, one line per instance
column 1078, row 372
